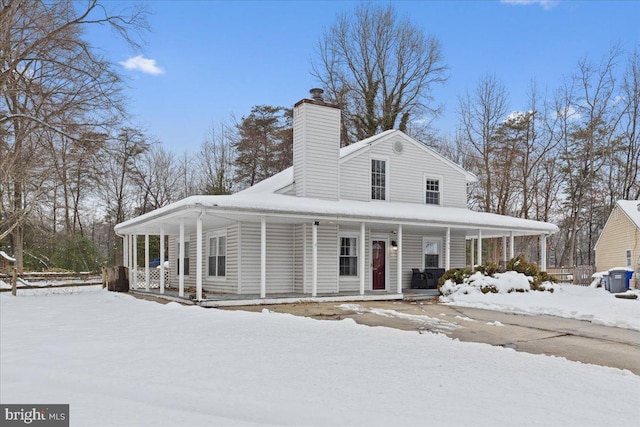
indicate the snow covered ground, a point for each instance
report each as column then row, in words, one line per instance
column 122, row 361
column 576, row 302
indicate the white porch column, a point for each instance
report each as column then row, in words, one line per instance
column 199, row 257
column 314, row 259
column 125, row 254
column 543, row 252
column 362, row 257
column 147, row 278
column 263, row 257
column 473, row 252
column 162, row 259
column 504, row 250
column 130, row 254
column 399, row 258
column 447, row 249
column 512, row 250
column 181, row 260
column 135, row 262
column 479, row 247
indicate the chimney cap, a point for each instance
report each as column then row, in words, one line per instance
column 316, row 94
column 316, row 98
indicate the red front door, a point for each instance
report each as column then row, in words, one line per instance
column 378, row 255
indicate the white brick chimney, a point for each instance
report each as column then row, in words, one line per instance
column 316, row 147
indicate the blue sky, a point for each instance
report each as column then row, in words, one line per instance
column 206, row 60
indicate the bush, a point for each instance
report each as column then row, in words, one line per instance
column 520, row 265
column 456, row 275
column 489, row 269
column 517, row 264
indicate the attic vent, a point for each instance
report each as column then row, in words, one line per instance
column 398, row 147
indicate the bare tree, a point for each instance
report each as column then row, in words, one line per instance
column 51, row 79
column 380, row 69
column 215, row 161
column 481, row 115
column 629, row 174
column 588, row 136
column 116, row 183
column 157, row 175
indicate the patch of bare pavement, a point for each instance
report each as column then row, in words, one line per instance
column 573, row 339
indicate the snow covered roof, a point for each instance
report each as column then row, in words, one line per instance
column 631, row 208
column 285, row 178
column 341, row 210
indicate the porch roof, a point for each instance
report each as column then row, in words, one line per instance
column 282, row 208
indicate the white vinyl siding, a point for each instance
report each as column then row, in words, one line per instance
column 299, row 253
column 354, row 178
column 280, row 258
column 327, row 258
column 316, row 147
column 405, row 174
column 458, row 252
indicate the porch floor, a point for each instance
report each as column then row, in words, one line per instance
column 210, row 299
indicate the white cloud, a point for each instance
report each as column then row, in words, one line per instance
column 545, row 4
column 140, row 63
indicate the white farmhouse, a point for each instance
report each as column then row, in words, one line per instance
column 350, row 222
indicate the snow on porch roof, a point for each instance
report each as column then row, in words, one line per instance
column 340, row 210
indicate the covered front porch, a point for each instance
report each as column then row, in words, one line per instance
column 273, row 256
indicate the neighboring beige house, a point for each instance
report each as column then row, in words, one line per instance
column 619, row 242
column 340, row 222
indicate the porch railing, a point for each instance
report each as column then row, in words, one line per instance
column 578, row 275
column 154, row 278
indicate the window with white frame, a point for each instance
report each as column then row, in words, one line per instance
column 348, row 256
column 628, row 258
column 378, row 179
column 431, row 249
column 186, row 257
column 217, row 255
column 432, row 191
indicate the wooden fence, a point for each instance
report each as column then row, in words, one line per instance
column 578, row 275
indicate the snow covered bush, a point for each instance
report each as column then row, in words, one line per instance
column 520, row 276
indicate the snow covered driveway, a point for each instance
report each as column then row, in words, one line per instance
column 121, row 361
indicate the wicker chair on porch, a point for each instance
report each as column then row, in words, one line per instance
column 432, row 276
column 418, row 279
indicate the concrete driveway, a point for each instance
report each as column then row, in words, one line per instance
column 574, row 339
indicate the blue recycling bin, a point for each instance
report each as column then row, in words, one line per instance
column 629, row 276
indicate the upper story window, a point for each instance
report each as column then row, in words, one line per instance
column 217, row 259
column 432, row 191
column 348, row 256
column 186, row 257
column 378, row 179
